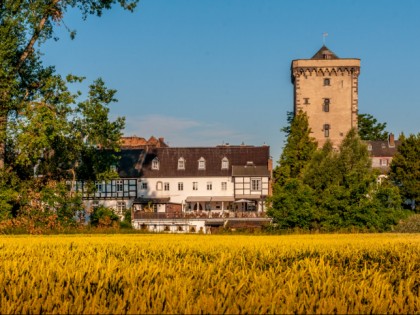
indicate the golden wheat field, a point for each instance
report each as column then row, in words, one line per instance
column 118, row 274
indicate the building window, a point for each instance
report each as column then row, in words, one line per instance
column 166, row 186
column 120, row 207
column 326, row 105
column 180, row 186
column 159, row 186
column 369, row 147
column 113, row 168
column 306, row 101
column 224, row 185
column 155, row 164
column 181, row 164
column 209, row 186
column 255, row 184
column 327, row 81
column 327, row 130
column 99, row 187
column 201, row 164
column 383, row 162
column 195, row 185
column 143, row 185
column 119, row 185
column 225, row 163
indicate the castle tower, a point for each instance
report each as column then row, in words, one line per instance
column 326, row 88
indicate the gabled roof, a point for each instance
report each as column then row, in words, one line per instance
column 213, row 156
column 323, row 52
column 250, row 170
column 381, row 148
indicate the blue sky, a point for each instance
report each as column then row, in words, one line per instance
column 207, row 72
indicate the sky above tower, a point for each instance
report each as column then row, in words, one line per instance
column 207, row 72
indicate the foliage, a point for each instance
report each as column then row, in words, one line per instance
column 212, row 274
column 298, row 150
column 103, row 217
column 48, row 135
column 409, row 225
column 292, row 205
column 370, row 129
column 405, row 169
column 126, row 221
column 336, row 190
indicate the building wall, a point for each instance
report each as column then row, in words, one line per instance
column 179, row 196
column 310, row 91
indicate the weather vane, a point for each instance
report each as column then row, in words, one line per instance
column 324, row 35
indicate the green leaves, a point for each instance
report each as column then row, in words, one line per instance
column 330, row 189
column 405, row 170
column 370, row 129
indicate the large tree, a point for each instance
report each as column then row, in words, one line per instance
column 24, row 25
column 298, row 151
column 48, row 135
column 405, row 169
column 370, row 129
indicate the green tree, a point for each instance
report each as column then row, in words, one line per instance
column 370, row 129
column 24, row 26
column 298, row 151
column 347, row 191
column 47, row 134
column 405, row 169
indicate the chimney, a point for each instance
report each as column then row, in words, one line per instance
column 391, row 140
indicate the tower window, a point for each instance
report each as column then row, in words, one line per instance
column 327, row 81
column 326, row 130
column 306, row 101
column 326, row 105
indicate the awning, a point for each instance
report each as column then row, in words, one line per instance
column 222, row 198
column 249, row 197
column 198, row 199
column 145, row 201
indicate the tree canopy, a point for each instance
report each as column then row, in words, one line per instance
column 48, row 134
column 328, row 189
column 405, row 169
column 370, row 129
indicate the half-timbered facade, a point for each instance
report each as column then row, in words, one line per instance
column 201, row 184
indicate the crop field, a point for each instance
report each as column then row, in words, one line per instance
column 103, row 274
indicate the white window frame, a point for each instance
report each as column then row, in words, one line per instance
column 225, row 163
column 159, row 186
column 155, row 164
column 202, row 164
column 195, row 186
column 121, row 207
column 180, row 186
column 119, row 185
column 209, row 186
column 255, row 184
column 181, row 163
column 166, row 186
column 143, row 185
column 224, row 185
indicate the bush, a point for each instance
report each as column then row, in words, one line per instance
column 409, row 225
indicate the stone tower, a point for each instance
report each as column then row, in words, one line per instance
column 326, row 88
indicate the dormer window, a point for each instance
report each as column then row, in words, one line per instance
column 201, row 164
column 155, row 164
column 181, row 163
column 225, row 163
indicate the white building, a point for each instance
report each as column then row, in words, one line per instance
column 189, row 189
